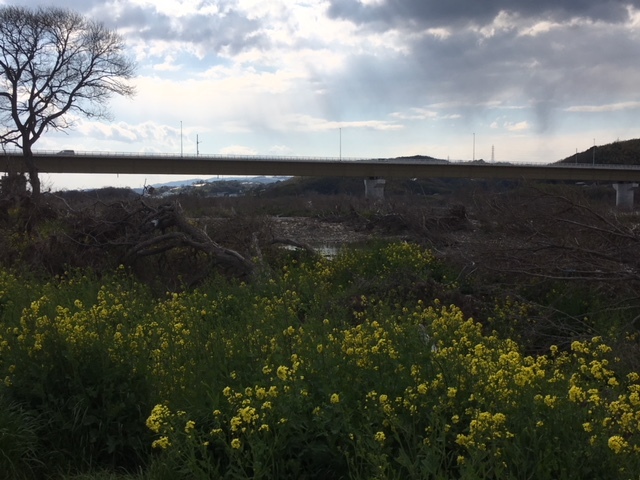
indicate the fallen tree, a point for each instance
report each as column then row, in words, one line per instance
column 155, row 239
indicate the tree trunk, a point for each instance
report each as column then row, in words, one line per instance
column 34, row 179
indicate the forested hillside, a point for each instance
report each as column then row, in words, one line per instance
column 621, row 152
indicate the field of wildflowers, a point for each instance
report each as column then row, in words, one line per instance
column 320, row 369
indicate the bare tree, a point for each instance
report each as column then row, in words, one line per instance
column 55, row 63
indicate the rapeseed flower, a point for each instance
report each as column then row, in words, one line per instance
column 282, row 372
column 189, row 426
column 162, row 443
column 617, row 444
column 158, row 418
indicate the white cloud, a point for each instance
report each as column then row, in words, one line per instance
column 238, row 150
column 517, row 127
column 613, row 107
column 416, row 114
column 307, row 123
column 280, row 150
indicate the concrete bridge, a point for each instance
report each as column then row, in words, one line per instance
column 624, row 178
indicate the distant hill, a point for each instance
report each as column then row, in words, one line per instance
column 625, row 152
column 193, row 181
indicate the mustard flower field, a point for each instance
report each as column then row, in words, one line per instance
column 327, row 369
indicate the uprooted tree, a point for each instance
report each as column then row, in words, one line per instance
column 55, row 64
column 162, row 246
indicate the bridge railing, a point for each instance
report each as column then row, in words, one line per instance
column 191, row 156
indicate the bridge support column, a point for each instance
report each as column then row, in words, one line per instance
column 624, row 195
column 374, row 188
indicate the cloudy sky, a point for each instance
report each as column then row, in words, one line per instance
column 530, row 81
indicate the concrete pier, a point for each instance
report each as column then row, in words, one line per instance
column 624, row 195
column 374, row 188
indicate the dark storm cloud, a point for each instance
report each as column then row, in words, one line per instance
column 546, row 72
column 230, row 28
column 433, row 13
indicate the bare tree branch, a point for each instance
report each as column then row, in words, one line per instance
column 54, row 62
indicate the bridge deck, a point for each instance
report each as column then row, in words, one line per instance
column 94, row 162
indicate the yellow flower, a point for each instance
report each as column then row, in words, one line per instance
column 335, row 398
column 380, row 437
column 282, row 372
column 236, row 443
column 617, row 444
column 236, row 423
column 248, row 414
column 576, row 394
column 163, row 443
column 157, row 418
column 190, row 426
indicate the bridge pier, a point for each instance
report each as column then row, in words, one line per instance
column 374, row 188
column 624, row 194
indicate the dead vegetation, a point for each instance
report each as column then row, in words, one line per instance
column 568, row 260
column 565, row 255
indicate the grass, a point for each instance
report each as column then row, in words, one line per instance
column 320, row 369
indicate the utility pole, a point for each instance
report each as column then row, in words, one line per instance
column 181, row 138
column 198, row 142
column 340, row 143
column 474, row 147
column 594, row 151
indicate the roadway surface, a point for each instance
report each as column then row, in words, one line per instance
column 136, row 163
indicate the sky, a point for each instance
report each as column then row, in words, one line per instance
column 499, row 80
